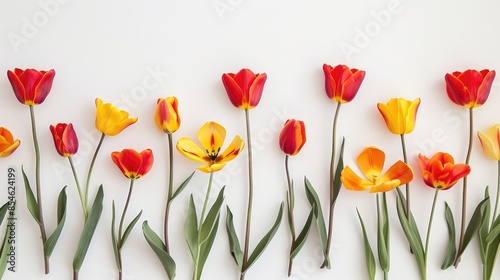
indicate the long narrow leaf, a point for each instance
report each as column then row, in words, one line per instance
column 158, row 247
column 5, row 243
column 482, row 233
column 491, row 257
column 382, row 238
column 212, row 216
column 207, row 246
column 191, row 229
column 88, row 230
column 129, row 228
column 413, row 224
column 182, row 186
column 30, row 198
column 51, row 242
column 473, row 226
column 371, row 267
column 337, row 184
column 234, row 243
column 114, row 238
column 495, row 230
column 451, row 249
column 302, row 237
column 259, row 249
column 315, row 202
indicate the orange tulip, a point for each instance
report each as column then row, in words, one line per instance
column 470, row 88
column 31, row 86
column 132, row 164
column 167, row 115
column 440, row 171
column 342, row 83
column 370, row 162
column 65, row 139
column 244, row 88
column 292, row 137
column 7, row 143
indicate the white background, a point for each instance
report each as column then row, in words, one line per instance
column 108, row 49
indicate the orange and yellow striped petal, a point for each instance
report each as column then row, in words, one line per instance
column 371, row 162
column 189, row 149
column 233, row 150
column 211, row 136
column 353, row 182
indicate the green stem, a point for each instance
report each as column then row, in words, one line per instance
column 498, row 192
column 37, row 184
column 250, row 194
column 197, row 276
column 464, row 194
column 386, row 275
column 125, row 208
column 89, row 174
column 291, row 218
column 77, row 182
column 170, row 186
column 431, row 217
column 332, row 179
column 405, row 158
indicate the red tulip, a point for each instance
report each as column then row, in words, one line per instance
column 31, row 86
column 342, row 83
column 469, row 88
column 244, row 88
column 440, row 171
column 292, row 137
column 132, row 164
column 65, row 139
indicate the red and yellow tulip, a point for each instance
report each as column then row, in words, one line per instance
column 211, row 136
column 31, row 86
column 244, row 88
column 7, row 143
column 399, row 114
column 167, row 114
column 133, row 164
column 65, row 139
column 111, row 120
column 440, row 171
column 342, row 83
column 490, row 141
column 371, row 162
column 470, row 88
column 292, row 137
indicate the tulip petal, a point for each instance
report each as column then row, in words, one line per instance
column 457, row 91
column 147, row 160
column 255, row 91
column 490, row 148
column 6, row 151
column 211, row 167
column 330, row 84
column 189, row 149
column 351, row 86
column 17, row 86
column 43, row 87
column 484, row 88
column 371, row 162
column 231, row 151
column 211, row 136
column 353, row 182
column 234, row 92
column 386, row 186
column 399, row 171
column 411, row 115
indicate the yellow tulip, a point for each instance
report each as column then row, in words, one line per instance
column 399, row 114
column 211, row 136
column 111, row 120
column 490, row 142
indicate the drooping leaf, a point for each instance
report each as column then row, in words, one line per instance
column 302, row 237
column 234, row 243
column 129, row 228
column 473, row 226
column 191, row 229
column 259, row 249
column 182, row 186
column 30, row 198
column 51, row 242
column 383, row 234
column 451, row 249
column 484, row 228
column 415, row 244
column 88, row 230
column 337, row 184
column 114, row 238
column 206, row 246
column 212, row 216
column 371, row 266
column 315, row 203
column 158, row 247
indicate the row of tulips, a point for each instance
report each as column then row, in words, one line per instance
column 469, row 89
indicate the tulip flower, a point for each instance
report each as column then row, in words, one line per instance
column 167, row 115
column 133, row 165
column 111, row 120
column 399, row 114
column 470, row 88
column 211, row 136
column 31, row 86
column 292, row 137
column 244, row 88
column 7, row 143
column 65, row 139
column 490, row 141
column 342, row 83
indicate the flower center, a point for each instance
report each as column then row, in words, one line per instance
column 213, row 154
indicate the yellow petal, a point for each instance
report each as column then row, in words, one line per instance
column 386, row 186
column 490, row 142
column 411, row 115
column 370, row 162
column 352, row 181
column 211, row 167
column 211, row 136
column 232, row 150
column 189, row 149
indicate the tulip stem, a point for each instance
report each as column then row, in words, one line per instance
column 89, row 174
column 498, row 192
column 170, row 191
column 250, row 194
column 38, row 188
column 77, row 182
column 464, row 194
column 120, row 229
column 197, row 276
column 431, row 217
column 291, row 219
column 332, row 179
column 405, row 158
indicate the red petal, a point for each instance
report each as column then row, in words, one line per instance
column 234, row 92
column 456, row 90
column 43, row 87
column 484, row 89
column 17, row 86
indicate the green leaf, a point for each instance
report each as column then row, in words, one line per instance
column 302, row 237
column 114, row 238
column 495, row 231
column 3, row 211
column 451, row 249
column 491, row 255
column 259, row 249
column 30, row 198
column 158, row 247
column 182, row 186
column 383, row 234
column 337, row 184
column 88, row 230
column 315, row 203
column 127, row 231
column 415, row 244
column 191, row 229
column 206, row 246
column 234, row 243
column 371, row 267
column 484, row 228
column 473, row 226
column 212, row 216
column 51, row 242
column 413, row 224
column 5, row 243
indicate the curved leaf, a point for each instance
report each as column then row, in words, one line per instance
column 127, row 231
column 491, row 256
column 371, row 267
column 473, row 226
column 383, row 234
column 191, row 229
column 158, row 247
column 182, row 186
column 206, row 246
column 451, row 249
column 234, row 243
column 495, row 231
column 51, row 242
column 302, row 237
column 337, row 184
column 114, row 238
column 212, row 216
column 30, row 198
column 484, row 228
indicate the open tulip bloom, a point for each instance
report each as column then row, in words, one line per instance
column 469, row 89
